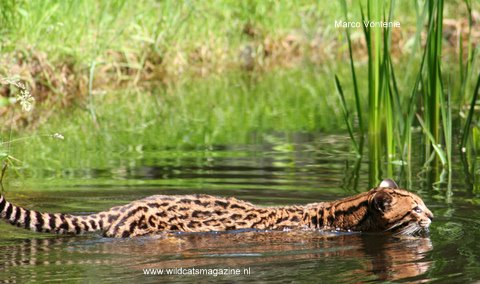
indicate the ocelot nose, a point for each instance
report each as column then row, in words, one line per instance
column 430, row 216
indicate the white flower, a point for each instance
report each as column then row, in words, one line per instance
column 25, row 97
column 58, row 136
column 26, row 100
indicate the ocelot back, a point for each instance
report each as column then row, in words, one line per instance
column 384, row 208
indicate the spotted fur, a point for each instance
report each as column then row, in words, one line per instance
column 384, row 208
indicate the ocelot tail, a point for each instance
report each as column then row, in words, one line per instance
column 384, row 208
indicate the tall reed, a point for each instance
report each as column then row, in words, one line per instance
column 391, row 114
column 381, row 103
column 433, row 83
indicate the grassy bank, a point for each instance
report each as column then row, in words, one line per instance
column 66, row 51
column 115, row 77
column 232, row 109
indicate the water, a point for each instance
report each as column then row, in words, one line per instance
column 308, row 168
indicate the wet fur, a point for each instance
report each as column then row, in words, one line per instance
column 385, row 208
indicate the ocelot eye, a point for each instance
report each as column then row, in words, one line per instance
column 417, row 209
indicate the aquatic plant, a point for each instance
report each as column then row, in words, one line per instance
column 391, row 113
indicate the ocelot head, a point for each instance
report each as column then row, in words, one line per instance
column 399, row 211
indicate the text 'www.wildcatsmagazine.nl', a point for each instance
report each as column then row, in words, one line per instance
column 197, row 271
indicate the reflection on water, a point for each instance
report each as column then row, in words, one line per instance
column 274, row 255
column 304, row 170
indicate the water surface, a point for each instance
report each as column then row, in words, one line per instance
column 308, row 168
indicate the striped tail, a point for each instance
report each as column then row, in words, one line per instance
column 50, row 222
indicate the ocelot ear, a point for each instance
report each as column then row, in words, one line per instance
column 388, row 183
column 382, row 201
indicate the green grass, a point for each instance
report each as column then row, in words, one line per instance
column 235, row 109
column 200, row 97
column 86, row 31
column 176, row 37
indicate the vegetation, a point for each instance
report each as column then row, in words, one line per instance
column 188, row 74
column 429, row 100
column 69, row 51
